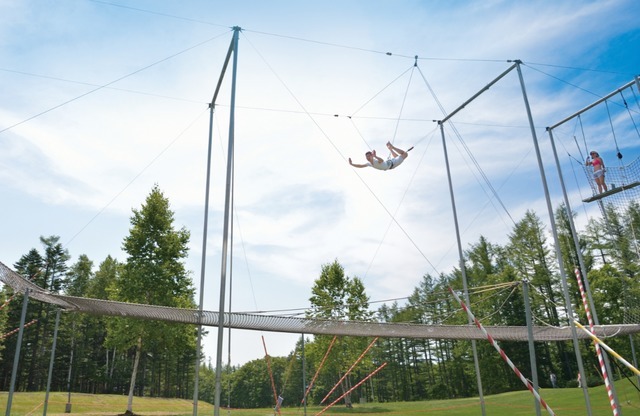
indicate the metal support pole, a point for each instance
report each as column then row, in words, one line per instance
column 67, row 408
column 225, row 238
column 633, row 354
column 462, row 268
column 53, row 356
column 532, row 348
column 16, row 355
column 563, row 276
column 203, row 264
column 304, row 378
column 583, row 267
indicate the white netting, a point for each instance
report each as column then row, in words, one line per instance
column 622, row 183
column 298, row 325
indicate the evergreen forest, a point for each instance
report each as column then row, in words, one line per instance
column 97, row 354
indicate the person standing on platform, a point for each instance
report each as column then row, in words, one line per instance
column 598, row 170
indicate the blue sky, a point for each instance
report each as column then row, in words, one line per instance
column 101, row 100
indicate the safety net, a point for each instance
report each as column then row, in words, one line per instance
column 297, row 325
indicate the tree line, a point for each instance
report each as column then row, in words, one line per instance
column 96, row 354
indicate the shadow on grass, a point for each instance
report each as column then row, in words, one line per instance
column 359, row 410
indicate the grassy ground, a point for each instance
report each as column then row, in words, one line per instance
column 564, row 402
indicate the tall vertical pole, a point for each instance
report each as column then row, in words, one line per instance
column 212, row 106
column 503, row 355
column 532, row 348
column 67, row 407
column 637, row 79
column 203, row 264
column 16, row 355
column 563, row 276
column 633, row 354
column 225, row 234
column 583, row 267
column 53, row 356
column 304, row 378
column 462, row 267
column 603, row 369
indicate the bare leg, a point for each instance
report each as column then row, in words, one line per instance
column 395, row 151
column 602, row 186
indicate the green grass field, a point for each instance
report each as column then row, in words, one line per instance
column 564, row 402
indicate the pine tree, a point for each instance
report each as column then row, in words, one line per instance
column 154, row 273
column 335, row 296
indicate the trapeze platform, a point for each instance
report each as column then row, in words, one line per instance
column 611, row 192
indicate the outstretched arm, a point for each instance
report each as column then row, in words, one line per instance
column 357, row 165
column 376, row 157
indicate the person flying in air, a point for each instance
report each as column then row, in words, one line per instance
column 377, row 162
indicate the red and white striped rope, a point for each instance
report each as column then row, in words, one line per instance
column 603, row 368
column 350, row 369
column 8, row 334
column 352, row 389
column 502, row 354
column 313, row 380
column 608, row 348
column 7, row 301
column 273, row 384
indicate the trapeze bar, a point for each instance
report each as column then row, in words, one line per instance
column 611, row 192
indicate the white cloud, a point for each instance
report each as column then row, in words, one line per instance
column 298, row 202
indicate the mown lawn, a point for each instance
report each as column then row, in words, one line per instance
column 564, row 402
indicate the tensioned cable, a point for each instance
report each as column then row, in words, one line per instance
column 633, row 92
column 109, row 83
column 584, row 139
column 499, row 308
column 613, row 131
column 173, row 16
column 443, row 292
column 415, row 171
column 190, row 100
column 619, row 156
column 528, row 65
column 381, row 91
column 576, row 68
column 353, row 114
column 326, row 136
column 371, row 50
column 500, row 287
column 488, row 201
column 128, row 90
column 404, row 100
column 163, row 151
column 633, row 121
column 573, row 170
column 493, row 292
column 237, row 219
column 246, row 260
column 488, row 288
column 469, row 153
column 440, row 295
column 553, row 303
column 411, row 69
